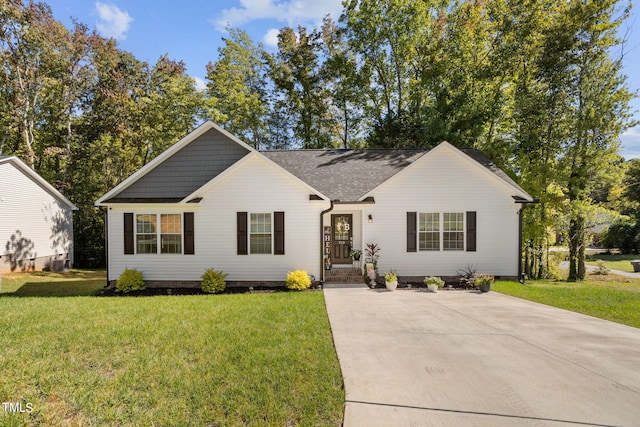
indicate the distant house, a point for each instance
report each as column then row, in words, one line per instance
column 36, row 223
column 211, row 200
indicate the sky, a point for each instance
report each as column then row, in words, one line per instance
column 192, row 31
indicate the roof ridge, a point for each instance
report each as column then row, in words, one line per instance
column 289, row 150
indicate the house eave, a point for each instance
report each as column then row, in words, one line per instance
column 366, row 201
column 522, row 200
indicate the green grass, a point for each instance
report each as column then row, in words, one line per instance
column 247, row 359
column 614, row 261
column 49, row 284
column 608, row 297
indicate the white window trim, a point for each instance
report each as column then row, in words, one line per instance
column 441, row 232
column 158, row 232
column 271, row 233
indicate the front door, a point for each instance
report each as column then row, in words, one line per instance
column 342, row 238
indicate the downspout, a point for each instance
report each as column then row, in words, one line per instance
column 520, row 274
column 322, row 241
column 106, row 242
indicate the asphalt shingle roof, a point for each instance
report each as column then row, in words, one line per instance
column 347, row 175
column 344, row 175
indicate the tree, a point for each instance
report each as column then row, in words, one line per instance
column 27, row 39
column 295, row 71
column 171, row 106
column 237, row 87
column 599, row 112
column 343, row 82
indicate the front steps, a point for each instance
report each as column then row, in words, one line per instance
column 343, row 275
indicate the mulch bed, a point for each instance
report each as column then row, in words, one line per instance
column 111, row 292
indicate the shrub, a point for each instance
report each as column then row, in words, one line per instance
column 623, row 235
column 467, row 276
column 433, row 280
column 298, row 280
column 213, row 281
column 130, row 280
column 602, row 268
column 555, row 258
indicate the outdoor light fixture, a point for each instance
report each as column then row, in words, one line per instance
column 370, row 219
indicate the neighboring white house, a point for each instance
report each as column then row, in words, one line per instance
column 36, row 223
column 211, row 200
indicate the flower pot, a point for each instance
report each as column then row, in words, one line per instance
column 485, row 287
column 356, row 257
column 432, row 288
column 391, row 285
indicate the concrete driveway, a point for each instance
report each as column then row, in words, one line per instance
column 457, row 358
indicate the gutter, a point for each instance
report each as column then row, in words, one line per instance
column 524, row 204
column 322, row 240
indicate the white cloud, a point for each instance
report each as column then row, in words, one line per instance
column 271, row 38
column 630, row 140
column 293, row 12
column 113, row 22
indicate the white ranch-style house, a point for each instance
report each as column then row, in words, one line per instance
column 36, row 221
column 211, row 200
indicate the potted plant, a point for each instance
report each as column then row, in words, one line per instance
column 391, row 280
column 433, row 283
column 372, row 263
column 372, row 252
column 372, row 274
column 356, row 254
column 483, row 282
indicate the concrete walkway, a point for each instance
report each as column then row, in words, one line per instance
column 457, row 358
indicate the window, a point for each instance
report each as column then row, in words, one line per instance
column 453, row 231
column 169, row 234
column 146, row 237
column 260, row 233
column 429, row 232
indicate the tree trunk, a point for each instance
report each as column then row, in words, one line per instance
column 576, row 249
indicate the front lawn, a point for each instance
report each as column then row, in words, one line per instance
column 248, row 359
column 614, row 261
column 50, row 284
column 607, row 297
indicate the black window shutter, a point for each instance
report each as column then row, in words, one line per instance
column 189, row 234
column 412, row 234
column 128, row 234
column 278, row 236
column 242, row 233
column 471, row 231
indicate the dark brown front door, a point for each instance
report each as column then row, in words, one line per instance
column 342, row 238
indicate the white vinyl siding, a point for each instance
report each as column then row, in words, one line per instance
column 256, row 186
column 34, row 225
column 444, row 181
column 260, row 233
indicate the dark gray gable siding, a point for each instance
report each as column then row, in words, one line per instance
column 187, row 170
